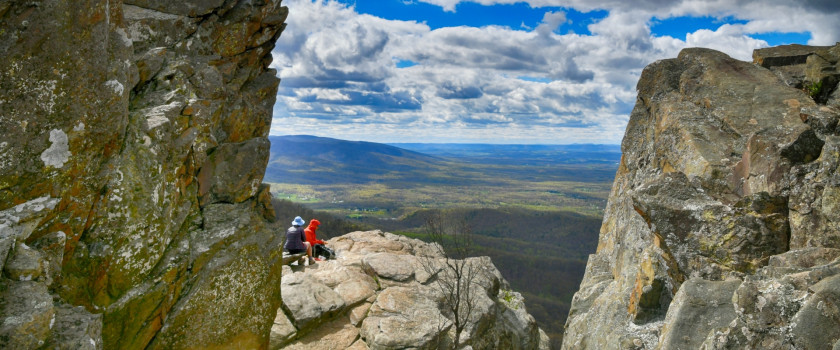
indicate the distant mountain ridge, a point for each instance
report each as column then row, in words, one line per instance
column 521, row 154
column 360, row 152
column 320, row 160
column 304, row 159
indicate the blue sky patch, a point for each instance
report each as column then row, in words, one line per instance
column 534, row 79
column 405, row 63
column 518, row 16
column 777, row 38
column 677, row 27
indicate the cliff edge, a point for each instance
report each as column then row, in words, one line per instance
column 384, row 292
column 722, row 230
column 134, row 144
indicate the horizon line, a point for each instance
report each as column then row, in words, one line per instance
column 453, row 143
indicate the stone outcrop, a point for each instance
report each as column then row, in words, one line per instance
column 380, row 293
column 722, row 227
column 134, row 141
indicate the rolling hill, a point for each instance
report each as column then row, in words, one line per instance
column 319, row 160
column 315, row 160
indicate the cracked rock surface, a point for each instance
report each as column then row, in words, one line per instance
column 721, row 230
column 381, row 293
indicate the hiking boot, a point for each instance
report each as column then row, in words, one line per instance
column 312, row 261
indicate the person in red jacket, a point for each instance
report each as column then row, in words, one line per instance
column 318, row 246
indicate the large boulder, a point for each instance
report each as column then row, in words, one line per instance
column 309, row 300
column 24, row 264
column 727, row 179
column 404, row 317
column 390, row 266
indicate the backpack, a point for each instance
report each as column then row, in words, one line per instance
column 321, row 250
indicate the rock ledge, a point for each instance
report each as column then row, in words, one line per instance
column 378, row 295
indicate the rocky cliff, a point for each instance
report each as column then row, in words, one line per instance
column 381, row 293
column 722, row 230
column 134, row 141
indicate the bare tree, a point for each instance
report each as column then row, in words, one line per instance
column 456, row 277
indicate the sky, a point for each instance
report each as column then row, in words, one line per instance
column 504, row 71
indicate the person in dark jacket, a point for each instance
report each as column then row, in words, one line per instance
column 295, row 240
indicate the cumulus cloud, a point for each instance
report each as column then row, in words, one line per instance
column 727, row 38
column 341, row 77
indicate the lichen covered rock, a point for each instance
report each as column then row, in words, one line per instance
column 134, row 144
column 28, row 311
column 75, row 328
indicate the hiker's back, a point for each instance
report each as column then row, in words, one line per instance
column 294, row 239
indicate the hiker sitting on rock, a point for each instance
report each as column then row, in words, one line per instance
column 318, row 246
column 295, row 243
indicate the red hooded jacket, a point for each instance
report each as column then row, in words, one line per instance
column 310, row 232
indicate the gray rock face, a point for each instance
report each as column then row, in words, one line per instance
column 721, row 228
column 816, row 323
column 76, row 328
column 699, row 307
column 378, row 292
column 774, row 308
column 814, row 200
column 233, row 172
column 133, row 146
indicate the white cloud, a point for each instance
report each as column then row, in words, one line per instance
column 727, row 38
column 488, row 84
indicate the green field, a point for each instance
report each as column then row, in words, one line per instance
column 396, row 200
